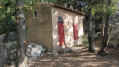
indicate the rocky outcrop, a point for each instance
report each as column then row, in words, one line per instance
column 10, row 52
column 114, row 35
column 12, row 36
column 33, row 51
column 9, row 49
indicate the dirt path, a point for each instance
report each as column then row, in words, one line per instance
column 79, row 58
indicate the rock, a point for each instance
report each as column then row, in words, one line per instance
column 117, row 45
column 2, row 36
column 1, row 55
column 114, row 35
column 68, row 50
column 110, row 46
column 60, row 51
column 10, row 45
column 64, row 51
column 115, row 31
column 10, row 52
column 34, row 50
column 104, row 54
column 12, row 36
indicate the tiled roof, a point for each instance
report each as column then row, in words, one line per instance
column 69, row 9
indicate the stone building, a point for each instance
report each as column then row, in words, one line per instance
column 54, row 26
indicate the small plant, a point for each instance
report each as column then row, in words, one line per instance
column 84, row 39
column 95, row 37
column 29, row 30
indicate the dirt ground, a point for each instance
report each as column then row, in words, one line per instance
column 79, row 58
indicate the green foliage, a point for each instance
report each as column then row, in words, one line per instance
column 95, row 37
column 84, row 39
column 7, row 15
column 29, row 30
column 61, row 2
column 7, row 12
column 105, row 8
column 28, row 5
column 31, row 2
column 7, row 9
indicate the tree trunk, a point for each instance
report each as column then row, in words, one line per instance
column 68, row 5
column 106, row 35
column 21, row 35
column 103, row 26
column 91, row 47
column 2, row 61
column 103, row 22
column 74, row 5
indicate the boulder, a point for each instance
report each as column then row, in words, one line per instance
column 34, row 50
column 12, row 36
column 114, row 35
column 64, row 51
column 10, row 45
column 10, row 52
column 2, row 36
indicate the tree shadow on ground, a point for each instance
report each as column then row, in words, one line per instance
column 79, row 58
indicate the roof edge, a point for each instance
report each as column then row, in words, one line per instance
column 62, row 7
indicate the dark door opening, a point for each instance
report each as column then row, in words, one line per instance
column 61, row 31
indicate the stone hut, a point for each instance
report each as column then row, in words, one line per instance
column 54, row 26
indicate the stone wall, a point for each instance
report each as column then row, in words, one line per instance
column 39, row 30
column 69, row 18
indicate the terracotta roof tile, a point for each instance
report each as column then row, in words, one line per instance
column 62, row 7
column 69, row 9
